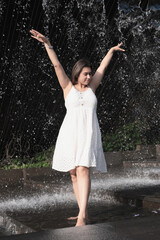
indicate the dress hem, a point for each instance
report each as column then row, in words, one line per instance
column 62, row 170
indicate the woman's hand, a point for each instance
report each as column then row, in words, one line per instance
column 63, row 79
column 118, row 48
column 40, row 37
column 97, row 78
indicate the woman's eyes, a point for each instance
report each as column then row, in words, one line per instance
column 85, row 74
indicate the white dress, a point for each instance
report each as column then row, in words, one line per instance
column 79, row 139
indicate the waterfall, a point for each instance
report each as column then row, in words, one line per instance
column 32, row 105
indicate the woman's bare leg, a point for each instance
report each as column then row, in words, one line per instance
column 73, row 175
column 75, row 189
column 83, row 183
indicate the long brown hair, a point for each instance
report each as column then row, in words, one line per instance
column 77, row 68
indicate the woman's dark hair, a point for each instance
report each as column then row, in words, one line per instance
column 77, row 68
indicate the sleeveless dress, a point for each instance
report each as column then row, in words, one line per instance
column 79, row 139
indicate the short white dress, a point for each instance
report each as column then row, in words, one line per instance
column 79, row 139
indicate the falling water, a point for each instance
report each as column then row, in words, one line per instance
column 29, row 88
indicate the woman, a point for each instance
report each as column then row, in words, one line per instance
column 79, row 146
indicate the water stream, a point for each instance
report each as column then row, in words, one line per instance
column 49, row 205
column 30, row 90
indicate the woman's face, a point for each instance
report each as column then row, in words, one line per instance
column 85, row 76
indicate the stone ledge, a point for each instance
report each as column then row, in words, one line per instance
column 128, row 164
column 11, row 177
column 20, row 176
column 152, row 202
column 12, row 226
column 144, row 156
column 114, row 158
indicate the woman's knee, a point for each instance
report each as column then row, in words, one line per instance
column 81, row 170
column 73, row 175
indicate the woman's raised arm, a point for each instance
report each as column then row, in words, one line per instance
column 97, row 77
column 61, row 75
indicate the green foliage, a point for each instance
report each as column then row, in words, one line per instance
column 42, row 159
column 126, row 138
column 122, row 139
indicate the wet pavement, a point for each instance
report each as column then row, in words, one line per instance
column 122, row 206
column 146, row 228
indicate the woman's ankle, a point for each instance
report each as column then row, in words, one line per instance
column 82, row 215
column 80, row 222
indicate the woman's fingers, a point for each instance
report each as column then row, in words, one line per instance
column 121, row 49
column 33, row 36
column 34, row 31
column 37, row 35
column 119, row 45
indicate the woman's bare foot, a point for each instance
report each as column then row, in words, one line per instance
column 74, row 218
column 80, row 222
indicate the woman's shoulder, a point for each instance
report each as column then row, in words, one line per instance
column 91, row 87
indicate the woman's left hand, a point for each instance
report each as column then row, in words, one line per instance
column 118, row 48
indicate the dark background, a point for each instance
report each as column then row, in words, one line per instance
column 31, row 101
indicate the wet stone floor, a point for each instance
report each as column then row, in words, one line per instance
column 57, row 218
column 48, row 204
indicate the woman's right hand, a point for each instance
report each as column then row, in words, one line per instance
column 40, row 37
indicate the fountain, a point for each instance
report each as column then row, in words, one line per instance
column 46, row 202
column 130, row 91
column 130, row 88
